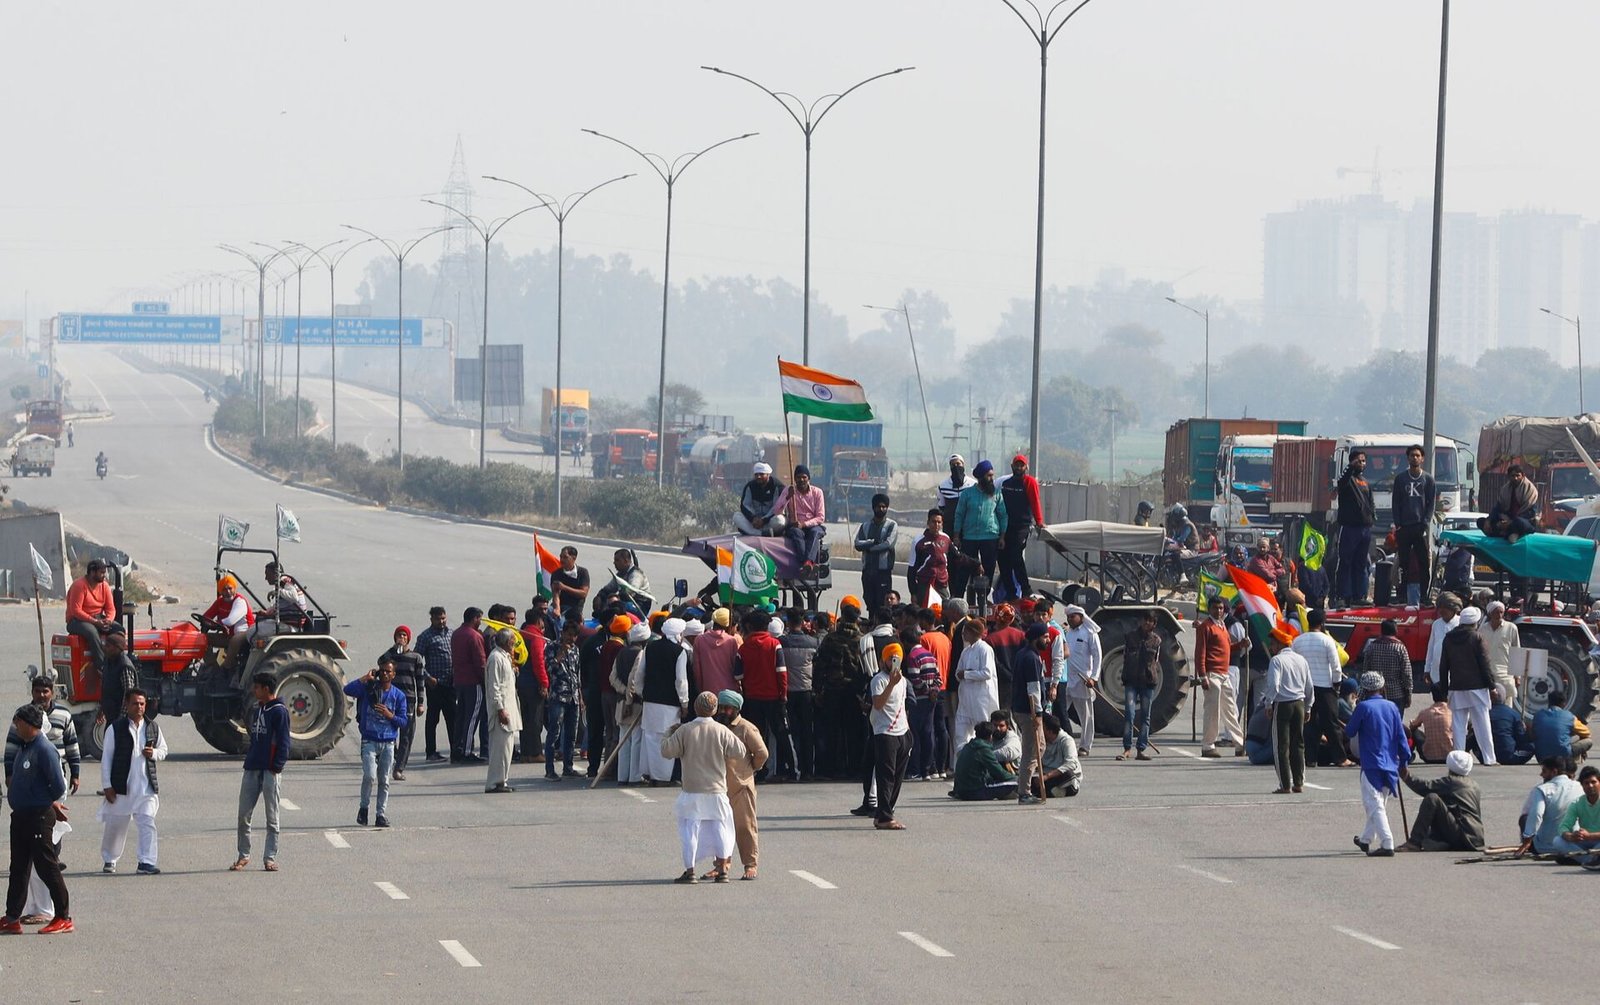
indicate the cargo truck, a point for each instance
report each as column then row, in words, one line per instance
column 1221, row 471
column 34, row 454
column 573, row 419
column 44, row 419
column 849, row 464
column 1548, row 458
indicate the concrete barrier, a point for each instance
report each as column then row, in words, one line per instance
column 42, row 529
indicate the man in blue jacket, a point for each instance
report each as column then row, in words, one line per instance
column 37, row 785
column 1380, row 735
column 263, row 763
column 980, row 522
column 381, row 713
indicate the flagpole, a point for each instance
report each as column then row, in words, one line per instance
column 44, row 664
column 788, row 443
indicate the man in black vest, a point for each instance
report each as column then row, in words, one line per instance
column 132, row 746
column 662, row 673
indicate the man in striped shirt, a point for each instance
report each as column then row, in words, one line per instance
column 1387, row 655
column 58, row 729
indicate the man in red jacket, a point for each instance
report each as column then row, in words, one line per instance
column 1020, row 494
column 533, row 686
column 759, row 673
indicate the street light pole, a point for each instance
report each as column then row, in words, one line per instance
column 905, row 312
column 1040, row 27
column 1576, row 322
column 560, row 210
column 333, row 330
column 260, row 264
column 1431, row 385
column 399, row 249
column 299, row 302
column 1205, row 315
column 669, row 173
column 487, row 231
column 1111, row 468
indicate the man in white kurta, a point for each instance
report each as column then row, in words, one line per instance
column 128, row 788
column 1502, row 637
column 977, row 685
column 660, row 676
column 705, row 817
column 1449, row 607
column 503, row 709
column 1083, row 670
column 630, row 748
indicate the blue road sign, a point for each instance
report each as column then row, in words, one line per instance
column 151, row 307
column 357, row 332
column 150, row 329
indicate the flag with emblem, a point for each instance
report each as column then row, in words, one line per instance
column 546, row 565
column 1313, row 546
column 1217, row 586
column 753, row 576
column 288, row 526
column 231, row 532
column 825, row 395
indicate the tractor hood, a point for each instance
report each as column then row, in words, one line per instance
column 183, row 641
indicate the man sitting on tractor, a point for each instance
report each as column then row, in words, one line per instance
column 231, row 611
column 91, row 610
column 287, row 613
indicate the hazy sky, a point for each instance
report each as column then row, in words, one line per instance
column 137, row 136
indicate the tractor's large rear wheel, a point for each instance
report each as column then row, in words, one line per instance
column 1170, row 692
column 91, row 738
column 227, row 735
column 312, row 687
column 1569, row 669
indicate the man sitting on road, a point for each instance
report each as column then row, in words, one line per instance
column 979, row 774
column 1451, row 815
column 1431, row 731
column 1580, row 825
column 1546, row 807
column 1557, row 732
column 1063, row 774
column 1512, row 744
column 1007, row 744
column 756, row 512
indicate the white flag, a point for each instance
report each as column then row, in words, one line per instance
column 41, row 569
column 288, row 526
column 231, row 532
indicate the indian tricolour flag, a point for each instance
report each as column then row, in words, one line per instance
column 825, row 395
column 1260, row 604
column 546, row 565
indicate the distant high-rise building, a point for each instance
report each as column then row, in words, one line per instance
column 1540, row 266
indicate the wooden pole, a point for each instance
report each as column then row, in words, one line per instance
column 1400, row 792
column 44, row 663
column 612, row 757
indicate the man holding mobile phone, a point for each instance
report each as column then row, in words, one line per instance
column 891, row 734
column 381, row 713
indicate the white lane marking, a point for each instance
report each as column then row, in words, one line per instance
column 394, row 892
column 813, row 879
column 336, row 839
column 1208, row 875
column 1070, row 822
column 1362, row 936
column 98, row 393
column 1311, row 785
column 459, row 954
column 286, row 804
column 933, row 949
column 637, row 795
column 1185, row 753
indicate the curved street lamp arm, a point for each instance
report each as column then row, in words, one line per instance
column 317, row 253
column 846, row 92
column 678, row 171
column 565, row 207
column 805, row 125
column 340, row 256
column 649, row 159
column 1052, row 36
column 407, row 247
column 499, row 225
column 1036, row 30
column 569, row 207
column 470, row 221
column 1192, row 310
column 388, row 244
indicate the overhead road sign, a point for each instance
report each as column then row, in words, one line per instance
column 150, row 329
column 151, row 307
column 355, row 332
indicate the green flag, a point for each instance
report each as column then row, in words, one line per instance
column 1212, row 586
column 1313, row 547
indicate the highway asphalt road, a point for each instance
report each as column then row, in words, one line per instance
column 1180, row 880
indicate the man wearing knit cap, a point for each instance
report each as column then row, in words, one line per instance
column 714, row 654
column 1379, row 735
column 1451, row 815
column 950, row 489
column 891, row 734
column 977, row 527
column 661, row 677
column 875, row 540
column 757, row 513
column 410, row 674
column 742, row 779
column 705, row 818
column 1020, row 495
column 803, row 506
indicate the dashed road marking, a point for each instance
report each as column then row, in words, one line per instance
column 932, row 948
column 1208, row 875
column 1185, row 753
column 635, row 793
column 1363, row 937
column 1070, row 822
column 394, row 892
column 286, row 804
column 336, row 839
column 813, row 879
column 459, row 954
column 1324, row 788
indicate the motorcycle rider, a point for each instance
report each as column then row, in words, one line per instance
column 755, row 514
column 1141, row 516
column 100, row 464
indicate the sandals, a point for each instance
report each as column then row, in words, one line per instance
column 688, row 877
column 1125, row 755
column 270, row 865
column 240, row 864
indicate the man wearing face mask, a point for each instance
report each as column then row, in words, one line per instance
column 742, row 779
column 950, row 489
column 977, row 527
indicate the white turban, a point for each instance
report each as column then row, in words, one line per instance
column 761, row 468
column 775, row 627
column 672, row 628
column 1459, row 762
column 1075, row 609
column 692, row 628
column 640, row 632
column 1471, row 616
column 1496, row 606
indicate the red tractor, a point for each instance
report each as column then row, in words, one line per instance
column 178, row 669
column 1574, row 650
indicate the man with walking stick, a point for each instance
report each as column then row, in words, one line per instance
column 1379, row 735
